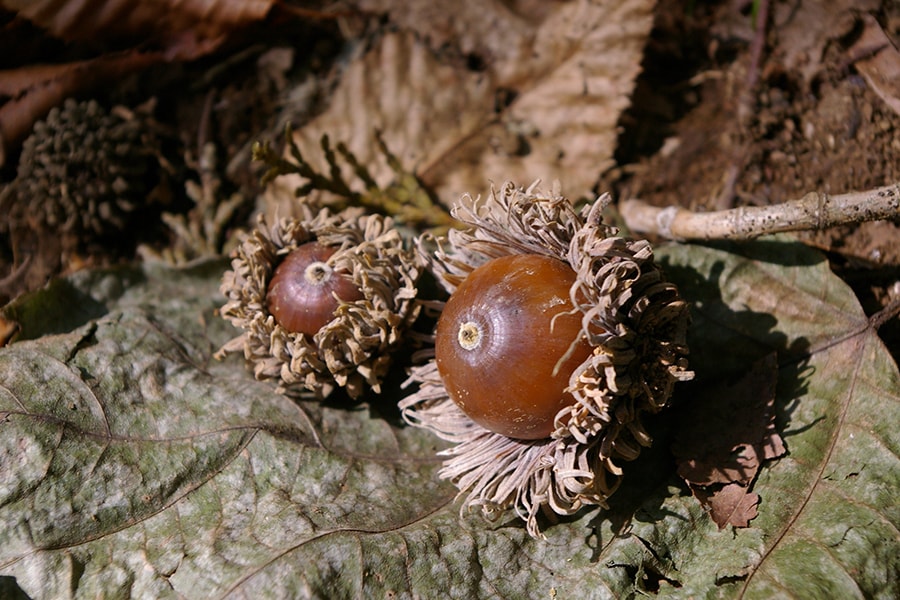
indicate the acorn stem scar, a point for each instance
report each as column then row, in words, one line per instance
column 469, row 336
column 317, row 273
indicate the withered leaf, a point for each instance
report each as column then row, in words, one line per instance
column 121, row 19
column 542, row 102
column 144, row 469
column 802, row 47
column 731, row 504
column 728, row 430
column 880, row 64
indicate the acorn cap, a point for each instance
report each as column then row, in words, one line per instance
column 354, row 349
column 636, row 326
column 82, row 169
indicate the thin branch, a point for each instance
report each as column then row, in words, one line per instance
column 761, row 27
column 12, row 279
column 886, row 314
column 815, row 211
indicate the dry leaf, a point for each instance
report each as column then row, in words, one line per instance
column 728, row 431
column 540, row 99
column 725, row 435
column 496, row 35
column 805, row 29
column 144, row 468
column 202, row 20
column 732, row 504
column 881, row 66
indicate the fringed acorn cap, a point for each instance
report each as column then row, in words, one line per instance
column 352, row 346
column 83, row 170
column 627, row 352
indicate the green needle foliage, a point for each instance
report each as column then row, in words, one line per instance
column 406, row 199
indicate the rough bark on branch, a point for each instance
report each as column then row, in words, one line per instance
column 815, row 211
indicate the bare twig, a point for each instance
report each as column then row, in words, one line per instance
column 7, row 283
column 815, row 211
column 886, row 314
column 761, row 27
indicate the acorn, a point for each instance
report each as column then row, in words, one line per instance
column 323, row 300
column 558, row 336
column 511, row 315
column 305, row 291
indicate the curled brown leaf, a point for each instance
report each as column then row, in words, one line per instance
column 123, row 19
column 726, row 434
column 36, row 89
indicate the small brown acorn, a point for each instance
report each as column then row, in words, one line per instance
column 305, row 290
column 323, row 300
column 503, row 341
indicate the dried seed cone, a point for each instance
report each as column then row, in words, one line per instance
column 83, row 170
column 634, row 321
column 352, row 351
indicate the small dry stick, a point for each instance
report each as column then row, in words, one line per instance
column 815, row 211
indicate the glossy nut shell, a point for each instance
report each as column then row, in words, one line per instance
column 301, row 294
column 499, row 341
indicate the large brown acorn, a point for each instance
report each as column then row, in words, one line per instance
column 513, row 316
column 557, row 337
column 323, row 300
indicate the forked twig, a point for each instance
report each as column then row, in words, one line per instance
column 815, row 211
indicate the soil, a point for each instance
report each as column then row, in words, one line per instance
column 702, row 135
column 713, row 125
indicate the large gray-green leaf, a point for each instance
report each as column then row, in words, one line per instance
column 132, row 464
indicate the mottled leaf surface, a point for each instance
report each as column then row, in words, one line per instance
column 828, row 523
column 132, row 464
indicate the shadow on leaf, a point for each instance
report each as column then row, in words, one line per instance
column 726, row 338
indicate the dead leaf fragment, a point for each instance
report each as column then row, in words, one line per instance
column 726, row 434
column 805, row 29
column 881, row 65
column 123, row 19
column 732, row 504
column 491, row 32
column 562, row 122
column 540, row 99
column 421, row 105
column 729, row 430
